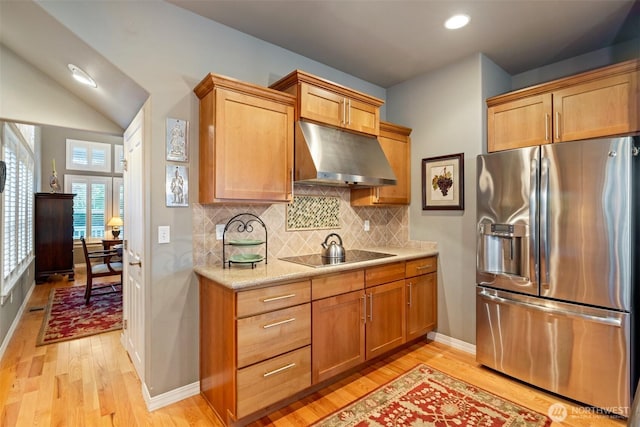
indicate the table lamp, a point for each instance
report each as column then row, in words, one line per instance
column 115, row 223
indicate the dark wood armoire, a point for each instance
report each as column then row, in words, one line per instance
column 53, row 235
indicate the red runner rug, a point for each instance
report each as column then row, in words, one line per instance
column 427, row 397
column 67, row 317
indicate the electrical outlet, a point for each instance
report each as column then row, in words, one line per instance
column 219, row 231
column 164, row 234
column 366, row 225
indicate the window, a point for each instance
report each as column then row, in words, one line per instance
column 17, row 205
column 88, row 156
column 92, row 205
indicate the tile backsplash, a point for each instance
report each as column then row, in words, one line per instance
column 389, row 226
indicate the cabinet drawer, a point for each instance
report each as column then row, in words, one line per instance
column 275, row 379
column 384, row 274
column 270, row 334
column 336, row 284
column 272, row 298
column 421, row 266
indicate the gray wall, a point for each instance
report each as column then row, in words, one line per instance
column 599, row 58
column 445, row 110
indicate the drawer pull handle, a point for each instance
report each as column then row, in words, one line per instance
column 423, row 267
column 278, row 298
column 276, row 371
column 282, row 322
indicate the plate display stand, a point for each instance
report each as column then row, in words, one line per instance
column 234, row 230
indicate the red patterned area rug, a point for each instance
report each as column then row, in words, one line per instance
column 67, row 317
column 427, row 397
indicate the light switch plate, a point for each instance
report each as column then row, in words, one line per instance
column 164, row 234
column 366, row 225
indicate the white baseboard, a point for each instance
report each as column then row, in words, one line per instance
column 16, row 320
column 170, row 397
column 452, row 342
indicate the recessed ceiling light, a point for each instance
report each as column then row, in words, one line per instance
column 457, row 21
column 80, row 75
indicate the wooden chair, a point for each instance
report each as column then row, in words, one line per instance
column 107, row 266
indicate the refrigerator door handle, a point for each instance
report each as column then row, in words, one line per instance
column 610, row 321
column 533, row 221
column 544, row 223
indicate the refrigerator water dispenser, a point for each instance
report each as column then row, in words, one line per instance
column 503, row 249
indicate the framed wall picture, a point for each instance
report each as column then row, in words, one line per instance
column 177, row 185
column 443, row 182
column 177, row 140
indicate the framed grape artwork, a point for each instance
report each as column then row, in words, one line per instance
column 443, row 182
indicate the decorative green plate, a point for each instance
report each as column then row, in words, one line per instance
column 246, row 258
column 245, row 242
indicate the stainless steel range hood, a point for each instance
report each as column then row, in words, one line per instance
column 329, row 156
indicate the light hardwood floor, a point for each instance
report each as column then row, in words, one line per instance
column 91, row 382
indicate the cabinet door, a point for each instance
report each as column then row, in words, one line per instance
column 520, row 123
column 53, row 238
column 253, row 148
column 397, row 152
column 602, row 107
column 421, row 305
column 338, row 334
column 385, row 322
column 322, row 105
column 362, row 117
column 396, row 145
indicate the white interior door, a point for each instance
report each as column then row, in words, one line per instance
column 133, row 289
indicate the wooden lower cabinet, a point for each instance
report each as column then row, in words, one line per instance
column 338, row 335
column 385, row 318
column 263, row 355
column 261, row 346
column 421, row 287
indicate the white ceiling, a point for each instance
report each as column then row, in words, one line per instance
column 388, row 41
column 380, row 41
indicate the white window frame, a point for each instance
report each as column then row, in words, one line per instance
column 89, row 180
column 118, row 159
column 118, row 184
column 20, row 182
column 90, row 146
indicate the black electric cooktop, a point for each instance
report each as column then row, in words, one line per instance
column 352, row 255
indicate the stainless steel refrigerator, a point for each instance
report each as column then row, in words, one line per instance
column 557, row 251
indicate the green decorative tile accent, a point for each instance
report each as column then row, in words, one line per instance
column 313, row 213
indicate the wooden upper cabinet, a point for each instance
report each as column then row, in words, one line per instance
column 396, row 144
column 246, row 142
column 521, row 123
column 326, row 102
column 599, row 103
column 607, row 106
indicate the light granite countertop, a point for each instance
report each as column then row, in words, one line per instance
column 240, row 277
